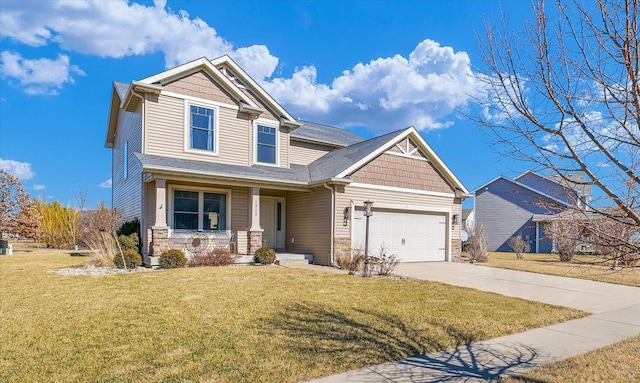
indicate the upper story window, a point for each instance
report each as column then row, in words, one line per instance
column 266, row 145
column 201, row 128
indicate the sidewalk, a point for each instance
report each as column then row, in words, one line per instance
column 616, row 316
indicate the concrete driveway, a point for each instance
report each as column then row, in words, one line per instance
column 581, row 294
column 615, row 309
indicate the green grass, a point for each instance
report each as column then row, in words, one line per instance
column 232, row 324
column 618, row 362
column 582, row 266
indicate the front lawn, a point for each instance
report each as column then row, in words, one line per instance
column 618, row 362
column 232, row 324
column 582, row 266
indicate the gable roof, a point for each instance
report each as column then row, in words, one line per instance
column 339, row 164
column 314, row 132
column 529, row 188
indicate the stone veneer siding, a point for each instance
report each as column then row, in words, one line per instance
column 341, row 247
column 255, row 241
column 456, row 250
column 159, row 240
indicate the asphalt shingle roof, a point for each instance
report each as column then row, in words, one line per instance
column 296, row 174
column 121, row 88
column 313, row 131
column 337, row 161
column 324, row 168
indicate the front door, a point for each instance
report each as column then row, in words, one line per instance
column 272, row 219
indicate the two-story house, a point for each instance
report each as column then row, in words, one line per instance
column 203, row 148
column 519, row 207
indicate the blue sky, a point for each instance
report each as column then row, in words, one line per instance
column 369, row 66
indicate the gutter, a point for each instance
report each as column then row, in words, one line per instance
column 333, row 221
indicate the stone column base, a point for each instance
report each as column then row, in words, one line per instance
column 254, row 239
column 159, row 240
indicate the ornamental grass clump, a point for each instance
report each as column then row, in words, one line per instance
column 172, row 259
column 265, row 256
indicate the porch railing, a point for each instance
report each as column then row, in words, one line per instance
column 193, row 241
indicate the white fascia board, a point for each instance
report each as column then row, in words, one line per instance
column 226, row 60
column 114, row 107
column 194, row 66
column 411, row 131
column 381, row 149
column 436, row 160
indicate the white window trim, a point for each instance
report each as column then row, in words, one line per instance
column 187, row 128
column 200, row 190
column 270, row 124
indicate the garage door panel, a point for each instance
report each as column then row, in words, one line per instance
column 414, row 237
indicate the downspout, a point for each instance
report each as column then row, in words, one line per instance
column 333, row 221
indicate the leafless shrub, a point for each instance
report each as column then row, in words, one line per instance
column 215, row 257
column 386, row 262
column 566, row 235
column 519, row 246
column 351, row 262
column 104, row 248
column 477, row 245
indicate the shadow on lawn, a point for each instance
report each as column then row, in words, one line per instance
column 367, row 337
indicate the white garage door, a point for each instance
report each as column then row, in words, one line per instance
column 414, row 237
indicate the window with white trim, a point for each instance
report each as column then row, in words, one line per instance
column 266, row 145
column 202, row 129
column 199, row 210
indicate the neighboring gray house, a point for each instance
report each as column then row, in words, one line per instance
column 507, row 207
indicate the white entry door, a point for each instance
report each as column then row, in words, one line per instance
column 272, row 220
column 414, row 237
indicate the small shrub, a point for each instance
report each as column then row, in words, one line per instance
column 477, row 245
column 519, row 246
column 385, row 262
column 129, row 227
column 172, row 259
column 265, row 256
column 216, row 257
column 129, row 242
column 351, row 262
column 131, row 258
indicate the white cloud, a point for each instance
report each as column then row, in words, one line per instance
column 118, row 28
column 20, row 170
column 386, row 93
column 38, row 187
column 106, row 184
column 39, row 76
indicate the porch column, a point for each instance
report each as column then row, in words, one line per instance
column 161, row 201
column 160, row 230
column 255, row 231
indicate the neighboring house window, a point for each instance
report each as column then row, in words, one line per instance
column 266, row 151
column 198, row 210
column 202, row 128
column 125, row 160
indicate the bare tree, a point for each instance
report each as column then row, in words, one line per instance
column 18, row 215
column 519, row 246
column 563, row 95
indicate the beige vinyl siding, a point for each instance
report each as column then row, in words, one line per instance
column 165, row 132
column 126, row 193
column 267, row 111
column 402, row 172
column 304, row 153
column 201, row 85
column 309, row 224
column 239, row 209
column 284, row 147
